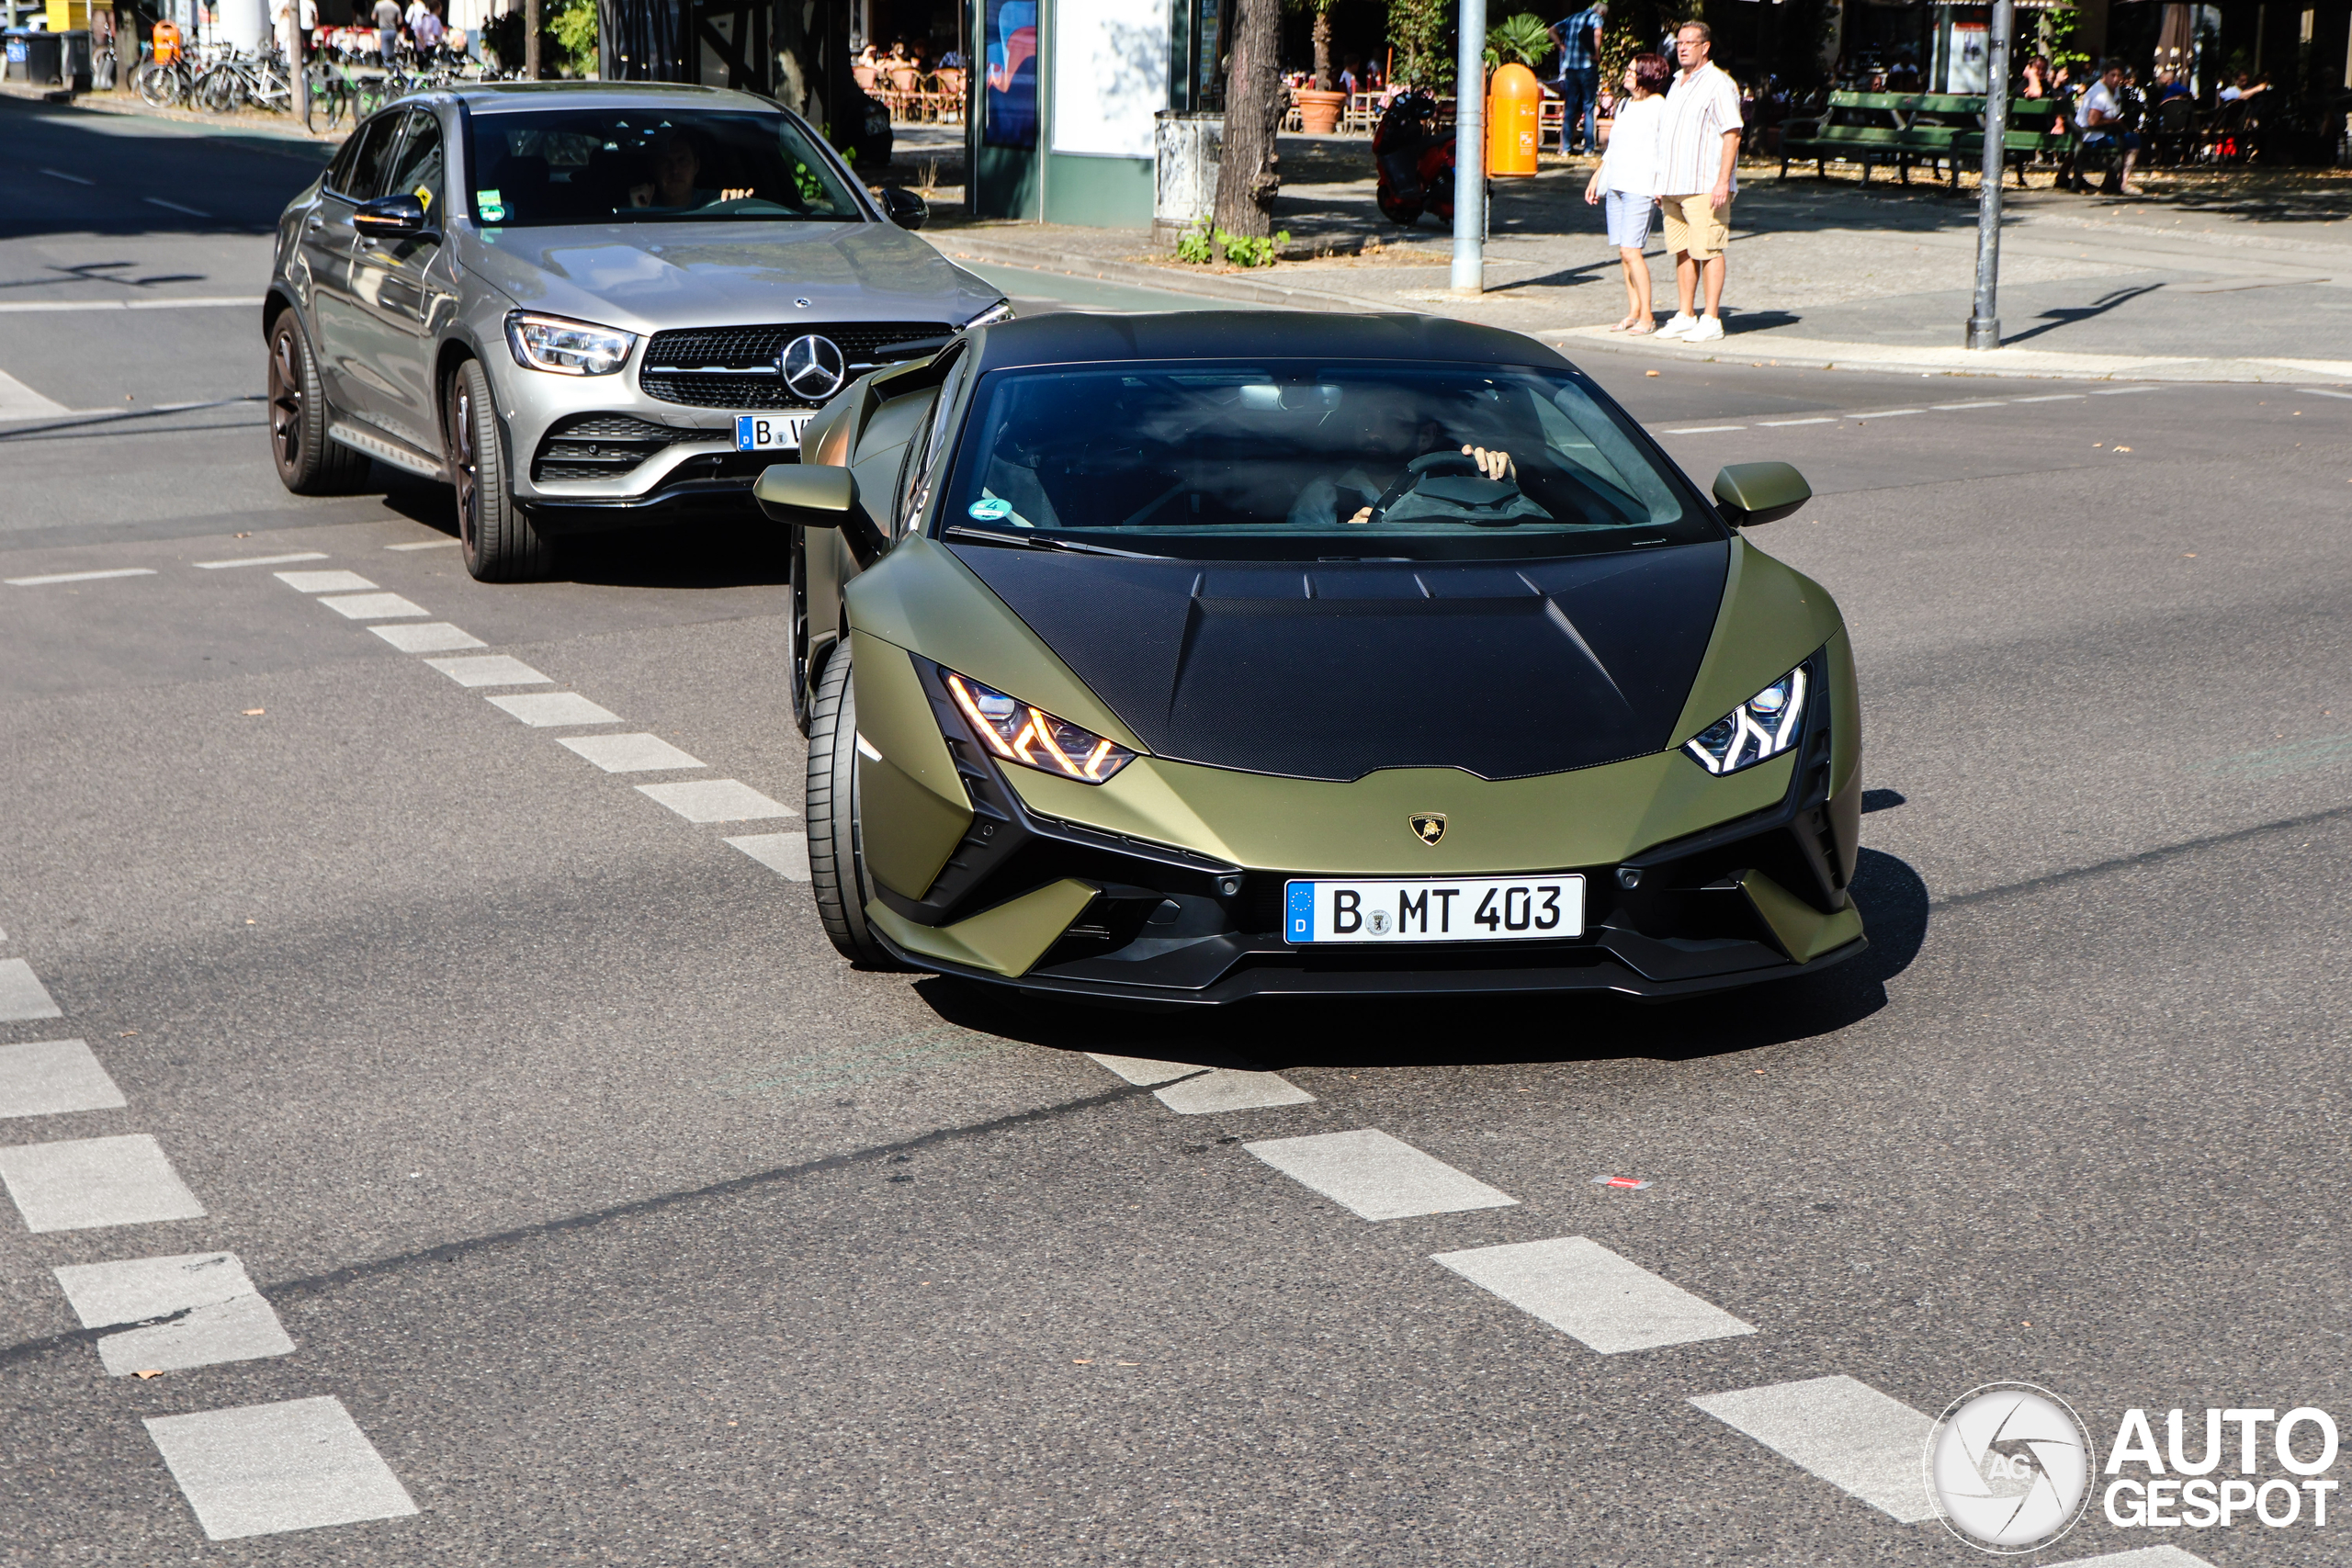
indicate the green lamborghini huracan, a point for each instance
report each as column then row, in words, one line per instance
column 1190, row 657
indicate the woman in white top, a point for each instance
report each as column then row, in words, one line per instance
column 1628, row 180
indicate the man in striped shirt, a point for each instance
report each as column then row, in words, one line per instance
column 1701, row 171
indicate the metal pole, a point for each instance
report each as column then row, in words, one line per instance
column 1470, row 152
column 1984, row 326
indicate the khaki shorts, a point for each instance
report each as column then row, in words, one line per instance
column 1695, row 224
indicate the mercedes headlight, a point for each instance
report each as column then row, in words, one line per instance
column 999, row 312
column 567, row 348
column 1759, row 729
column 1016, row 732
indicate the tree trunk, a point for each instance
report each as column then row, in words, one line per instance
column 530, row 40
column 1246, row 176
column 1323, row 46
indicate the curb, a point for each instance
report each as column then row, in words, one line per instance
column 1814, row 353
column 1143, row 274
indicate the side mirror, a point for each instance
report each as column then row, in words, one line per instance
column 904, row 208
column 390, row 217
column 815, row 495
column 1751, row 493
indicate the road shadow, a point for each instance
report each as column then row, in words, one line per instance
column 750, row 554
column 90, row 173
column 2067, row 316
column 1456, row 1032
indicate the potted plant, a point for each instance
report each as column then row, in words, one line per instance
column 1320, row 105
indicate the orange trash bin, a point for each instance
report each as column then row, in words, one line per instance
column 1514, row 117
column 167, row 42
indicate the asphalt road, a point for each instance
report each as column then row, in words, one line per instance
column 628, row 1225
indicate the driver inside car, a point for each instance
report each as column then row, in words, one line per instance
column 678, row 164
column 1318, row 503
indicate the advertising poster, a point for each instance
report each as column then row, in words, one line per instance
column 1972, row 52
column 1009, row 106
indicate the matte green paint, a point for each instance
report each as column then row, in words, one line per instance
column 1772, row 616
column 1803, row 933
column 1004, row 941
column 912, row 810
column 1098, row 192
column 785, row 488
column 1761, row 493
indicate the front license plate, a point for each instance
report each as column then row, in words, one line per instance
column 1469, row 908
column 769, row 431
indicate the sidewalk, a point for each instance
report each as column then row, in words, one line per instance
column 2244, row 278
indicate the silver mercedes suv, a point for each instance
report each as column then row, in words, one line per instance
column 587, row 306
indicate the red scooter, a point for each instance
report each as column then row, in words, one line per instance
column 1415, row 159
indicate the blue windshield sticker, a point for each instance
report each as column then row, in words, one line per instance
column 990, row 509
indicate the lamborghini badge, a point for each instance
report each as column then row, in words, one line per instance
column 1427, row 826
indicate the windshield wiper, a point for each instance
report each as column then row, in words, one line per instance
column 1042, row 542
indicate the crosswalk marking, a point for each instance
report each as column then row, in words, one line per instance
column 50, row 1078
column 265, row 561
column 85, row 1183
column 1229, row 1088
column 489, row 670
column 22, row 995
column 1590, row 1293
column 1842, row 1430
column 1377, row 1176
column 432, row 636
column 544, row 710
column 429, row 544
column 45, row 579
column 214, row 1312
column 787, row 854
column 263, row 1468
column 1142, row 1070
column 716, row 800
column 375, row 607
column 629, row 753
column 2142, row 1557
column 322, row 582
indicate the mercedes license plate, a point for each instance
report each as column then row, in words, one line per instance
column 769, row 431
column 1465, row 909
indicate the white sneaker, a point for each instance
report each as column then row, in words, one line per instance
column 1710, row 329
column 1681, row 326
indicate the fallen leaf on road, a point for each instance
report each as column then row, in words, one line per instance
column 255, row 712
column 150, row 1372
column 1650, row 372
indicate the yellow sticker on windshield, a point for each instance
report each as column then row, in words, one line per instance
column 424, row 195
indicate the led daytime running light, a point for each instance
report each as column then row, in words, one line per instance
column 1017, row 732
column 565, row 347
column 1759, row 730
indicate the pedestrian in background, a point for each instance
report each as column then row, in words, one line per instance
column 388, row 29
column 1578, row 38
column 1701, row 140
column 1627, row 182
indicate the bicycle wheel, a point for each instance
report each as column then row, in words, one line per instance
column 157, row 84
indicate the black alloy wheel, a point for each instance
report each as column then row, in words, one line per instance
column 307, row 462
column 499, row 543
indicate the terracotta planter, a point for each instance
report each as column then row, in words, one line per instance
column 1319, row 113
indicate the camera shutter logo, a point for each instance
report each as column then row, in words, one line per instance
column 2009, row 1467
column 813, row 367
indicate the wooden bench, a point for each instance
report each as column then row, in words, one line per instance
column 1903, row 129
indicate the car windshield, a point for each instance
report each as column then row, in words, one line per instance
column 1289, row 460
column 649, row 165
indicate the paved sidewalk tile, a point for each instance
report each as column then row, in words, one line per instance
column 1842, row 1430
column 49, row 1077
column 1377, row 1176
column 263, row 1468
column 22, row 995
column 1590, row 1293
column 85, row 1183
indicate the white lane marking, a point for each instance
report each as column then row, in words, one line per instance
column 192, row 302
column 1842, row 1430
column 1701, row 429
column 2053, row 398
column 432, row 636
column 787, row 854
column 1377, row 1176
column 20, row 402
column 50, row 1078
column 261, row 1469
column 217, row 1315
column 1229, row 1088
column 1946, row 408
column 2127, row 391
column 489, row 670
column 1784, row 424
column 263, row 560
column 1143, row 1070
column 69, row 179
column 322, row 582
column 80, row 576
column 174, row 207
column 715, row 800
column 374, row 606
column 2144, row 1557
column 629, row 753
column 1590, row 1293
column 429, row 544
column 22, row 995
column 2321, row 392
column 1887, row 414
column 543, row 710
column 89, row 1183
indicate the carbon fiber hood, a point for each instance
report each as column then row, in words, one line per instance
column 1336, row 669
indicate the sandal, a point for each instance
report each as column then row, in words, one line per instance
column 1623, row 326
column 1644, row 329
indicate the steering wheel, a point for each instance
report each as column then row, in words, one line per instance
column 1427, row 464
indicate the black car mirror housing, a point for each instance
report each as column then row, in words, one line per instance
column 390, row 217
column 904, row 208
column 1751, row 493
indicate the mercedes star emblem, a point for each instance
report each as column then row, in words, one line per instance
column 813, row 367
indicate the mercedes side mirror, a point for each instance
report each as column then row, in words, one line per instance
column 815, row 495
column 390, row 217
column 1751, row 493
column 904, row 208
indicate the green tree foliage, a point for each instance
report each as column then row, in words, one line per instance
column 1522, row 40
column 575, row 28
column 1422, row 34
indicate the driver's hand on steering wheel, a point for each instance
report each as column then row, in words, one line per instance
column 1495, row 465
column 1363, row 514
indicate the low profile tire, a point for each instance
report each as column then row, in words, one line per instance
column 836, row 858
column 308, row 463
column 500, row 544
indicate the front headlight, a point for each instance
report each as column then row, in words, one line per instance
column 999, row 312
column 1015, row 732
column 567, row 348
column 1761, row 728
